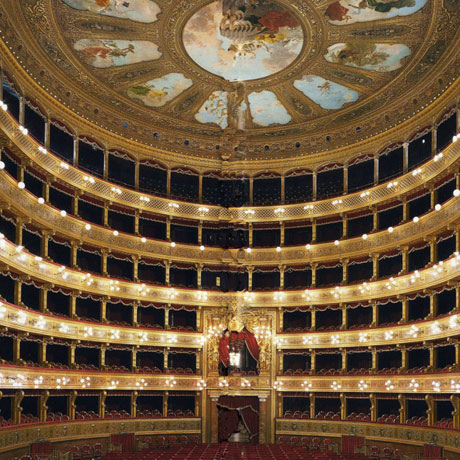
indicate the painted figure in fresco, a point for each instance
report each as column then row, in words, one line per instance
column 251, row 27
column 348, row 10
column 136, row 10
column 237, row 107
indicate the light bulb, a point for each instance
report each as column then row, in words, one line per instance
column 41, row 200
column 63, row 213
column 21, row 185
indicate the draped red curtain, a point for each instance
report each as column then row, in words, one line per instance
column 251, row 343
column 247, row 406
column 228, row 423
column 249, row 339
column 126, row 440
column 224, row 353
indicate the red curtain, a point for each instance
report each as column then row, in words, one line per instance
column 228, row 423
column 224, row 354
column 126, row 440
column 248, row 407
column 430, row 451
column 350, row 443
column 249, row 339
column 251, row 343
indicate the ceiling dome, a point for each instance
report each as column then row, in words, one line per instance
column 260, row 78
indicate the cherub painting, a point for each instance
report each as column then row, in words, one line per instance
column 379, row 57
column 136, row 10
column 327, row 94
column 104, row 53
column 351, row 11
column 157, row 92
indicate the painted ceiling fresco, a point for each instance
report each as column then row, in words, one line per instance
column 242, row 66
column 243, row 41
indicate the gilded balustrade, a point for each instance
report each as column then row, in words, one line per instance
column 72, row 228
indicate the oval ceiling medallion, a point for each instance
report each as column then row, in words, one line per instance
column 243, row 40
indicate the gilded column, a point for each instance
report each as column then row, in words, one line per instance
column 200, row 187
column 405, row 206
column 313, row 319
column 135, row 267
column 314, row 265
column 102, row 357
column 376, row 170
column 75, row 198
column 344, row 225
column 313, row 361
column 104, row 310
column 105, row 215
column 250, row 270
column 344, row 271
column 71, row 406
column 375, row 360
column 199, row 269
column 75, row 151
column 315, row 185
column 102, row 398
column 455, row 400
column 44, row 244
column 16, row 349
column 313, row 230
column 42, row 352
column 433, row 358
column 135, row 307
column 405, row 310
column 168, row 183
column 22, row 103
column 433, row 251
column 374, row 408
column 134, row 358
column 250, row 234
column 344, row 317
column 431, row 411
column 262, row 419
column 375, row 219
column 136, row 175
column 405, row 157
column 73, row 306
column 344, row 362
column 47, row 133
column 404, row 360
column 405, row 259
column 136, row 222
column 283, row 189
column 165, row 404
column 375, row 267
column 214, row 419
column 43, row 412
column 434, row 140
column 17, row 292
column 200, row 232
column 343, row 407
column 73, row 253
column 312, row 405
column 72, row 349
column 282, row 233
column 44, row 299
column 167, row 316
column 106, row 164
column 375, row 314
column 19, row 228
column 433, row 305
column 165, row 359
column 402, row 409
column 134, row 402
column 104, row 253
column 251, row 191
column 17, row 409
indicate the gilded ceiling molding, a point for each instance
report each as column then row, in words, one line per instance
column 52, row 56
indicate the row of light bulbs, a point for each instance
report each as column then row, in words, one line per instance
column 249, row 212
column 308, row 247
